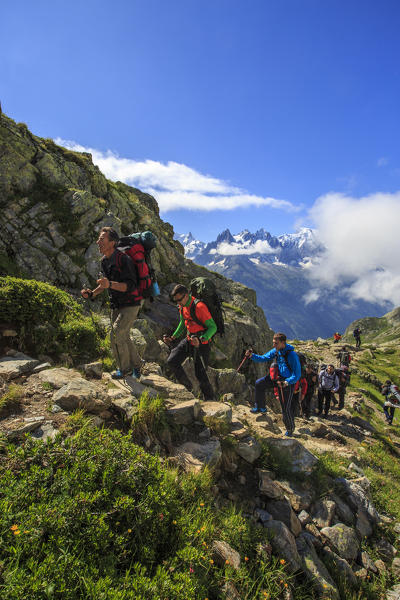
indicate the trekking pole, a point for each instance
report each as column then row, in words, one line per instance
column 243, row 361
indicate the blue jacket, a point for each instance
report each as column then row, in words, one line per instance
column 292, row 374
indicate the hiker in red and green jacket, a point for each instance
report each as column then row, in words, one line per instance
column 199, row 326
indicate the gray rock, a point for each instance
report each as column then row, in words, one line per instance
column 281, row 510
column 268, row 487
column 249, row 449
column 367, row 563
column 356, row 468
column 315, row 570
column 284, row 544
column 304, row 517
column 298, row 456
column 126, row 406
column 184, row 413
column 79, row 393
column 230, row 592
column 342, row 510
column 193, row 457
column 396, row 567
column 394, row 593
column 223, row 552
column 45, row 432
column 14, row 366
column 322, row 512
column 18, row 427
column 343, row 539
column 216, row 411
column 58, row 377
column 262, row 515
column 300, row 494
column 41, row 367
column 386, row 551
column 339, row 568
column 358, row 497
column 56, row 409
column 94, row 370
column 166, row 388
column 363, row 525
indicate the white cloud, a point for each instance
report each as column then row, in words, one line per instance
column 176, row 186
column 259, row 247
column 382, row 162
column 362, row 241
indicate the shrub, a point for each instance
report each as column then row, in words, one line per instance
column 48, row 319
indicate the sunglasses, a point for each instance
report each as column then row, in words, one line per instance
column 179, row 299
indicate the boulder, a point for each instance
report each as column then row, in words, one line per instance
column 219, row 411
column 223, row 554
column 249, row 449
column 315, row 570
column 166, row 388
column 58, row 377
column 193, row 457
column 127, row 406
column 300, row 459
column 358, row 497
column 268, row 487
column 79, row 393
column 386, row 551
column 93, row 370
column 18, row 427
column 363, row 525
column 343, row 539
column 281, row 510
column 396, row 567
column 300, row 494
column 394, row 593
column 342, row 510
column 367, row 562
column 322, row 512
column 339, row 568
column 184, row 413
column 283, row 544
column 16, row 365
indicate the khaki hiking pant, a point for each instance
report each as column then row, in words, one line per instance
column 124, row 350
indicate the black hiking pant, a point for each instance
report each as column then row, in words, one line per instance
column 201, row 356
column 358, row 342
column 306, row 404
column 327, row 395
column 342, row 393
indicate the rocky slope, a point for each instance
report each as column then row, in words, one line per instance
column 314, row 494
column 378, row 329
column 54, row 202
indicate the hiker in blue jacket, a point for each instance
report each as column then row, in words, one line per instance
column 284, row 372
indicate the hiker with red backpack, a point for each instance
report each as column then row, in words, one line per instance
column 196, row 321
column 284, row 372
column 121, row 281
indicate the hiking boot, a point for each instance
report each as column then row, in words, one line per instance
column 288, row 433
column 118, row 374
column 262, row 410
column 254, row 409
column 135, row 373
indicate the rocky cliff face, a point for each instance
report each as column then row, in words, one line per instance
column 54, row 202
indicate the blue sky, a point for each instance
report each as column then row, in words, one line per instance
column 258, row 107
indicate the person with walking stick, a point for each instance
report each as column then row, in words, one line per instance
column 284, row 372
column 196, row 321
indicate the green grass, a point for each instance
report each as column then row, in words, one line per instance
column 94, row 516
column 11, row 399
column 236, row 309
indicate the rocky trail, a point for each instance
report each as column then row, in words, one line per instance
column 319, row 535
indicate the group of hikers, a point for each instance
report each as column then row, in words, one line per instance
column 127, row 277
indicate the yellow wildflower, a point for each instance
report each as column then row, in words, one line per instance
column 14, row 527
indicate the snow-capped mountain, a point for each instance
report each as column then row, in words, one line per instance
column 277, row 267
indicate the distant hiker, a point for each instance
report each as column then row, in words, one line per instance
column 336, row 337
column 312, row 380
column 392, row 400
column 344, row 380
column 343, row 357
column 328, row 382
column 196, row 343
column 284, row 372
column 120, row 280
column 357, row 336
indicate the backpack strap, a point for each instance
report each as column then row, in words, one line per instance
column 193, row 315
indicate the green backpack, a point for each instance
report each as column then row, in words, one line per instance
column 204, row 290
